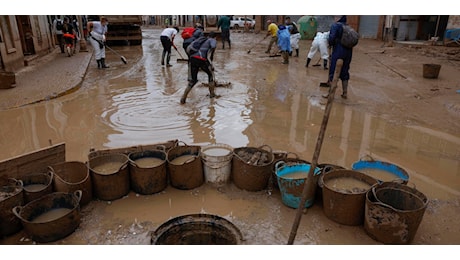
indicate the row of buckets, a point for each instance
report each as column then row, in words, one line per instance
column 389, row 209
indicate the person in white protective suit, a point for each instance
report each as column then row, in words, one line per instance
column 97, row 37
column 319, row 43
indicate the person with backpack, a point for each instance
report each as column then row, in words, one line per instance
column 190, row 34
column 201, row 53
column 197, row 33
column 339, row 51
column 97, row 37
column 167, row 40
column 57, row 30
column 295, row 36
column 69, row 36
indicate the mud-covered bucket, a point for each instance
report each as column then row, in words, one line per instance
column 325, row 168
column 185, row 166
column 71, row 176
column 37, row 185
column 197, row 229
column 344, row 193
column 110, row 176
column 217, row 163
column 148, row 171
column 288, row 158
column 431, row 71
column 393, row 212
column 51, row 217
column 11, row 195
column 291, row 181
column 252, row 167
column 381, row 171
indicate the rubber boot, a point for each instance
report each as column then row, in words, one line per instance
column 308, row 62
column 325, row 64
column 163, row 58
column 229, row 44
column 184, row 96
column 103, row 64
column 297, row 52
column 98, row 64
column 168, row 58
column 285, row 56
column 212, row 89
column 344, row 89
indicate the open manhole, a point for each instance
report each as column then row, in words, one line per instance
column 197, row 229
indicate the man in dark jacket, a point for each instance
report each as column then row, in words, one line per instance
column 339, row 52
column 224, row 24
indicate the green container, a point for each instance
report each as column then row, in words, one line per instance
column 307, row 27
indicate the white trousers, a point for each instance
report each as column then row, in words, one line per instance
column 98, row 52
column 320, row 45
column 295, row 41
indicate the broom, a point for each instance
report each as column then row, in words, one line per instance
column 123, row 59
column 182, row 57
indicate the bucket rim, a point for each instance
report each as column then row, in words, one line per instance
column 330, row 175
column 216, row 145
column 284, row 167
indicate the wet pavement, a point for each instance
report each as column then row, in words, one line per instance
column 267, row 103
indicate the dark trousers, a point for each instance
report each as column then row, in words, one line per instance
column 167, row 44
column 226, row 36
column 60, row 39
column 197, row 64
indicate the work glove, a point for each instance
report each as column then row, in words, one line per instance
column 103, row 38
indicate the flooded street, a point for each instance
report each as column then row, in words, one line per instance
column 392, row 114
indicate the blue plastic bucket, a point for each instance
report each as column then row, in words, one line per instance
column 381, row 171
column 291, row 183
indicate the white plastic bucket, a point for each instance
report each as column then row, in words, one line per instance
column 217, row 160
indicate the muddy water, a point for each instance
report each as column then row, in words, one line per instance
column 148, row 162
column 267, row 103
column 51, row 215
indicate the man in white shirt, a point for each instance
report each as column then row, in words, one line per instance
column 167, row 40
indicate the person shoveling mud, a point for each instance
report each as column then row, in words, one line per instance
column 199, row 60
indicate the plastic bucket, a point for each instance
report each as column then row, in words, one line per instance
column 110, row 176
column 382, row 171
column 51, row 217
column 431, row 71
column 185, row 167
column 148, row 171
column 11, row 195
column 344, row 194
column 72, row 176
column 288, row 158
column 197, row 229
column 37, row 185
column 393, row 212
column 325, row 168
column 217, row 163
column 252, row 167
column 291, row 179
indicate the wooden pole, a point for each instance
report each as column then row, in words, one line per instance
column 309, row 188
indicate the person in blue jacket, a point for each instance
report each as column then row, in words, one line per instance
column 339, row 52
column 284, row 42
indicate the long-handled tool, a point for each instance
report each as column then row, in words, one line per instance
column 182, row 57
column 309, row 187
column 123, row 59
column 317, row 63
column 250, row 49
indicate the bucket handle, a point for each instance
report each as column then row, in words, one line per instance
column 51, row 174
column 179, row 142
column 78, row 194
column 367, row 158
column 279, row 165
column 16, row 182
column 190, row 160
column 266, row 146
column 296, row 156
column 17, row 210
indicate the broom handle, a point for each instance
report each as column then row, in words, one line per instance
column 309, row 188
